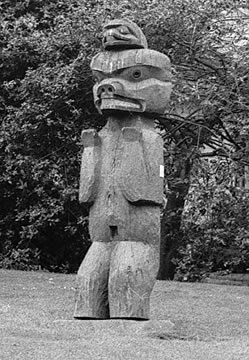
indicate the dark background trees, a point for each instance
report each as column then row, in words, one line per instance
column 46, row 100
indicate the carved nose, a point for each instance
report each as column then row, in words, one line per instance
column 105, row 90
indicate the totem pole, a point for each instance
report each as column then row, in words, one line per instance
column 121, row 178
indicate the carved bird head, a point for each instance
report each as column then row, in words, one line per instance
column 121, row 34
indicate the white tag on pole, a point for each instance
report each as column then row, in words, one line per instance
column 161, row 171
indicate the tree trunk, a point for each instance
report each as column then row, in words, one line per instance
column 178, row 186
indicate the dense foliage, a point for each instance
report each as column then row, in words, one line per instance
column 215, row 223
column 46, row 100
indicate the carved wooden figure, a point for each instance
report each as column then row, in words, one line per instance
column 122, row 177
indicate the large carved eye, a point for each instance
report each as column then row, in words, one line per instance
column 137, row 74
column 124, row 30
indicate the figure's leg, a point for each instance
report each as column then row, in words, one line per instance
column 133, row 271
column 92, row 283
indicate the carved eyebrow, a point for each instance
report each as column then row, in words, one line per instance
column 133, row 67
column 120, row 70
column 107, row 27
column 110, row 27
column 106, row 74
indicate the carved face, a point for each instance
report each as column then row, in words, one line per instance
column 123, row 34
column 131, row 80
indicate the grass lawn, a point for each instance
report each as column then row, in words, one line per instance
column 202, row 322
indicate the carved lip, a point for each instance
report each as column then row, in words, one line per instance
column 119, row 103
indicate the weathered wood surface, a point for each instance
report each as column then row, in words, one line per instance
column 122, row 177
column 126, row 198
column 115, row 280
column 90, row 167
column 133, row 270
column 92, row 283
column 136, row 80
column 126, row 212
column 120, row 34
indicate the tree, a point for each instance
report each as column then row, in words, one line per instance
column 45, row 102
column 208, row 108
column 214, row 223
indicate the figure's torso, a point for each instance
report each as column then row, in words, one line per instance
column 112, row 217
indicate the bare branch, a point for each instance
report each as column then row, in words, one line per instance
column 229, row 137
column 218, row 70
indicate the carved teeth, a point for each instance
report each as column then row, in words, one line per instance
column 115, row 103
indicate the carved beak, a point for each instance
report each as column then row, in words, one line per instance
column 116, row 35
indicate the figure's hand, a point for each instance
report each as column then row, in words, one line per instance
column 89, row 137
column 131, row 134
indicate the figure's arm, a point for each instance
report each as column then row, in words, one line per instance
column 90, row 167
column 142, row 163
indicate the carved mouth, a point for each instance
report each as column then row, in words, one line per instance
column 118, row 103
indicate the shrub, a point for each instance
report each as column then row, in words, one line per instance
column 215, row 227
